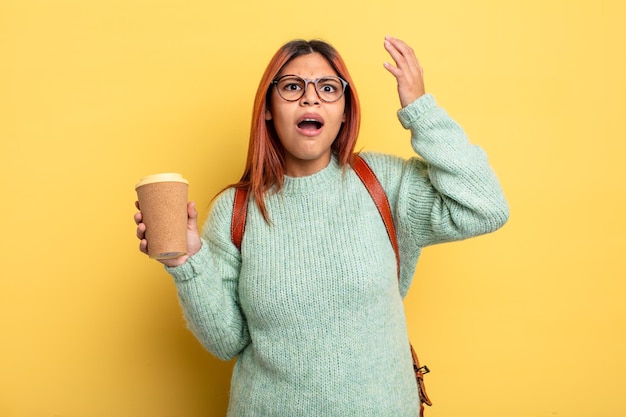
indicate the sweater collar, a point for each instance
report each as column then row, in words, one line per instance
column 315, row 182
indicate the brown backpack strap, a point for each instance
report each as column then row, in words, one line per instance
column 419, row 378
column 238, row 220
column 379, row 196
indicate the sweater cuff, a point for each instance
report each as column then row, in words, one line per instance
column 411, row 113
column 194, row 265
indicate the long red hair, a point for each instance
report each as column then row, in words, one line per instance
column 265, row 162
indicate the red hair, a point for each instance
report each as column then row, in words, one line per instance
column 265, row 162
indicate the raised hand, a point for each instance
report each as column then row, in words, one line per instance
column 408, row 72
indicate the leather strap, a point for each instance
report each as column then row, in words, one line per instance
column 379, row 196
column 376, row 190
column 419, row 378
column 238, row 220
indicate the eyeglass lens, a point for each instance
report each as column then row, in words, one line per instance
column 292, row 87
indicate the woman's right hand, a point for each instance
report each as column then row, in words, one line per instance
column 193, row 236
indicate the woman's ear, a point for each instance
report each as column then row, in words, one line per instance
column 268, row 115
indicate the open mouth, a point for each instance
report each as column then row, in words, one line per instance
column 310, row 124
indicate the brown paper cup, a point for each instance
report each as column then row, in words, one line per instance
column 163, row 203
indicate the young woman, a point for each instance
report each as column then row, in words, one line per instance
column 311, row 305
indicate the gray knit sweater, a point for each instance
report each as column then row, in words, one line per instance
column 311, row 307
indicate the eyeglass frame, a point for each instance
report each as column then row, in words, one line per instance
column 344, row 84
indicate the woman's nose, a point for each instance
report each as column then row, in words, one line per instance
column 310, row 95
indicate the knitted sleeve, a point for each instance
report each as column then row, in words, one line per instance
column 447, row 192
column 464, row 198
column 207, row 286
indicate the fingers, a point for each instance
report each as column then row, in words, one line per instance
column 403, row 56
column 192, row 217
column 407, row 71
column 141, row 233
column 138, row 217
column 191, row 211
column 143, row 246
column 194, row 242
column 141, row 230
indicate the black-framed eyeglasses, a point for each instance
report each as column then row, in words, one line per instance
column 329, row 89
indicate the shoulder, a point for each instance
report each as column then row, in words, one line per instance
column 391, row 168
column 223, row 203
column 381, row 162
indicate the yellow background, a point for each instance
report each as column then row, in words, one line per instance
column 528, row 321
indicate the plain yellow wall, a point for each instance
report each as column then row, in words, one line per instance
column 528, row 321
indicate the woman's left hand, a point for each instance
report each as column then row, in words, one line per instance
column 408, row 72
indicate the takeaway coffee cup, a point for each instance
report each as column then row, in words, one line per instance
column 163, row 203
